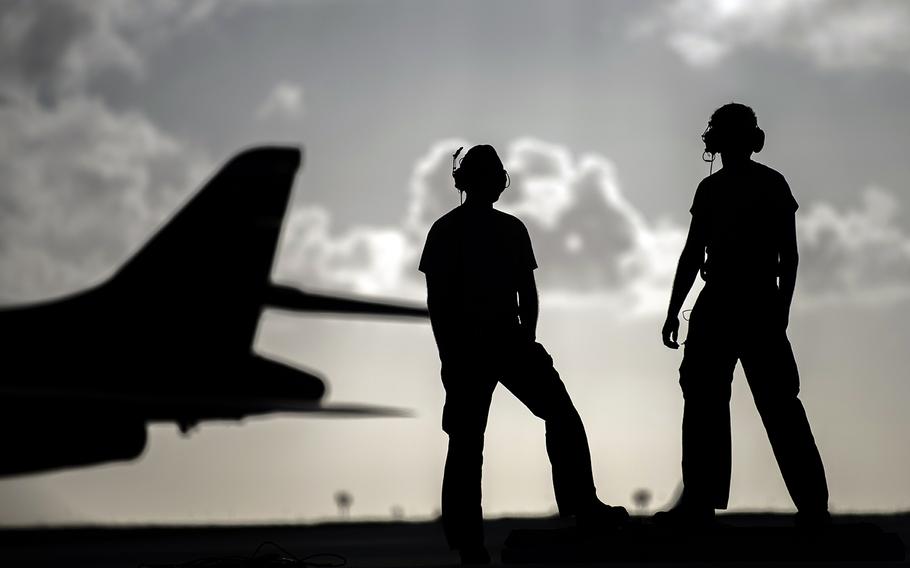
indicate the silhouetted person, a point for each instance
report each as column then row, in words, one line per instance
column 743, row 240
column 483, row 307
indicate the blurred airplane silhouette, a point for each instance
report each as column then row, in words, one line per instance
column 169, row 336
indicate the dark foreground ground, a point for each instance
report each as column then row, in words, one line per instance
column 375, row 544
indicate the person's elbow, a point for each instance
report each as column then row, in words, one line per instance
column 789, row 260
column 527, row 292
column 527, row 296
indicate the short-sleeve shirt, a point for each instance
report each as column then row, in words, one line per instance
column 744, row 213
column 481, row 253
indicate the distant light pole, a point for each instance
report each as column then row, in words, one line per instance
column 641, row 498
column 344, row 500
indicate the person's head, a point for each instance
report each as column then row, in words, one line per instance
column 733, row 132
column 481, row 174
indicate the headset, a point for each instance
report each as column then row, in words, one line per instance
column 464, row 176
column 715, row 137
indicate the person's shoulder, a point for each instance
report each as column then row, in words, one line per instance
column 775, row 185
column 438, row 243
column 774, row 180
column 508, row 220
column 769, row 173
column 712, row 180
column 503, row 217
column 705, row 186
column 447, row 220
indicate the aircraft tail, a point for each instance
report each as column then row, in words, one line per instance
column 213, row 259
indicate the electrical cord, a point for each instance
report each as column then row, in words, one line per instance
column 280, row 557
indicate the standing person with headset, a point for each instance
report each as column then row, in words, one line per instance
column 743, row 218
column 483, row 307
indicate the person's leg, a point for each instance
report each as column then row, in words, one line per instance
column 464, row 419
column 705, row 377
column 536, row 383
column 774, row 379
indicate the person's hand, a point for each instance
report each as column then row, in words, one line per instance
column 670, row 332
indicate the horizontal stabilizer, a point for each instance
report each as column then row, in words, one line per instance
column 164, row 407
column 351, row 410
column 288, row 298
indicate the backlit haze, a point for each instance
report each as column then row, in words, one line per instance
column 112, row 112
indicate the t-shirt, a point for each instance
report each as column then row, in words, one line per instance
column 744, row 213
column 481, row 253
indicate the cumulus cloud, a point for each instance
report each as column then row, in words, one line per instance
column 81, row 183
column 80, row 187
column 56, row 46
column 859, row 253
column 831, row 33
column 592, row 242
column 53, row 48
column 589, row 239
column 285, row 101
column 589, row 235
column 365, row 260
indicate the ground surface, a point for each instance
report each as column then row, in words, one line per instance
column 361, row 544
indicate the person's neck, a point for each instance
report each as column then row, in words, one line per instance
column 735, row 161
column 476, row 203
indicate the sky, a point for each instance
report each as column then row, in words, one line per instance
column 113, row 112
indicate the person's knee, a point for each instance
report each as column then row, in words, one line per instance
column 466, row 442
column 705, row 382
column 778, row 407
column 464, row 461
column 698, row 391
column 555, row 406
column 561, row 414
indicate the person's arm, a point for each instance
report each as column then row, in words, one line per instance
column 690, row 261
column 440, row 304
column 789, row 260
column 528, row 304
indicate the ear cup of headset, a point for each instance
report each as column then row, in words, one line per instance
column 504, row 181
column 711, row 141
column 460, row 177
column 758, row 142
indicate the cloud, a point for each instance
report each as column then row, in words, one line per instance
column 589, row 239
column 284, row 101
column 54, row 48
column 859, row 254
column 830, row 33
column 83, row 185
column 365, row 260
column 592, row 243
column 80, row 183
column 589, row 234
column 80, row 187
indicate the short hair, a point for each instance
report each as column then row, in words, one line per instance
column 479, row 164
column 734, row 117
column 733, row 125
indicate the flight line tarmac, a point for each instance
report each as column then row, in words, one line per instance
column 743, row 540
